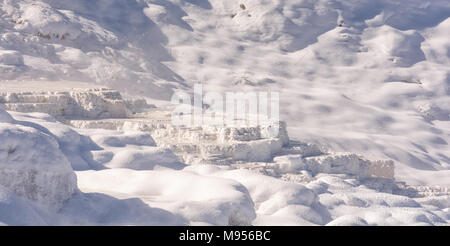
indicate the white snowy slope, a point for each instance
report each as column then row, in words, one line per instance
column 363, row 76
column 163, row 191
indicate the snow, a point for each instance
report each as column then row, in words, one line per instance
column 16, row 210
column 145, row 159
column 93, row 103
column 33, row 166
column 200, row 199
column 367, row 206
column 436, row 46
column 122, row 139
column 5, row 117
column 272, row 196
column 11, row 57
column 133, row 182
column 364, row 89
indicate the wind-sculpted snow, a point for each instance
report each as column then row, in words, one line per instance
column 364, row 84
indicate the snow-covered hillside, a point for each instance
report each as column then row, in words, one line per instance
column 142, row 184
column 370, row 77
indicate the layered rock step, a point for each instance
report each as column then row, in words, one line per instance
column 249, row 148
column 254, row 148
column 301, row 162
column 217, row 145
column 65, row 102
column 83, row 104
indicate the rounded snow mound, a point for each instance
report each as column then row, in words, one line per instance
column 33, row 166
column 121, row 139
column 202, row 200
column 146, row 159
column 348, row 220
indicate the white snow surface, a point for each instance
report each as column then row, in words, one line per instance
column 360, row 76
column 33, row 166
column 142, row 184
column 370, row 77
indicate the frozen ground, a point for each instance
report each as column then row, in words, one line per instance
column 369, row 77
column 58, row 175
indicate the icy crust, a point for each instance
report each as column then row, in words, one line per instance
column 86, row 104
column 219, row 134
column 301, row 162
column 32, row 166
column 338, row 163
column 103, row 108
column 162, row 129
column 201, row 144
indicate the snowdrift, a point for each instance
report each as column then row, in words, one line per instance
column 33, row 166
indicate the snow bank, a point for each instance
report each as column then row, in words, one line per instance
column 96, row 209
column 276, row 195
column 147, row 159
column 122, row 139
column 32, row 165
column 200, row 199
column 98, row 149
column 276, row 201
column 130, row 149
column 348, row 220
column 11, row 57
column 83, row 210
column 75, row 146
